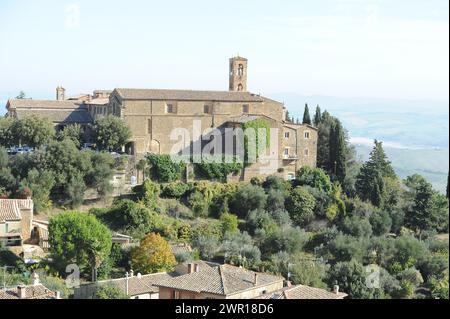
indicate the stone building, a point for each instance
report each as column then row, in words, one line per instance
column 221, row 282
column 60, row 112
column 152, row 114
column 16, row 219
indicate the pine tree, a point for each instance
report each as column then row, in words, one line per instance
column 317, row 116
column 370, row 181
column 306, row 116
column 338, row 151
column 422, row 216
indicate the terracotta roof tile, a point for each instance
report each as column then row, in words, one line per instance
column 139, row 285
column 10, row 208
column 187, row 95
column 32, row 292
column 303, row 292
column 42, row 104
column 220, row 280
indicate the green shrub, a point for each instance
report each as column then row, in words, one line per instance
column 300, row 205
column 148, row 193
column 175, row 190
column 211, row 168
column 314, row 177
column 163, row 169
column 248, row 198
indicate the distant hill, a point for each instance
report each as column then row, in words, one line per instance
column 430, row 163
column 415, row 133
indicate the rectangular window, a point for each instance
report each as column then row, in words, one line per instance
column 307, row 135
column 149, row 126
column 206, row 109
column 306, row 152
column 169, row 108
column 286, row 152
column 286, row 135
column 245, row 108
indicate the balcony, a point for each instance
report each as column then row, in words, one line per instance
column 290, row 157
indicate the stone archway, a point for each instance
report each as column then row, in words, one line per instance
column 130, row 148
column 155, row 147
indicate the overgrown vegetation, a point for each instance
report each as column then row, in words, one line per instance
column 331, row 225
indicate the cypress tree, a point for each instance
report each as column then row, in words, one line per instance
column 306, row 116
column 288, row 117
column 317, row 116
column 338, row 151
column 323, row 143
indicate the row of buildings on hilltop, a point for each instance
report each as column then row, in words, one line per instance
column 152, row 114
column 206, row 280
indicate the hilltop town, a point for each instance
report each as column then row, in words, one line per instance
column 181, row 194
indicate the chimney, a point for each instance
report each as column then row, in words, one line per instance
column 60, row 93
column 336, row 289
column 196, row 267
column 255, row 282
column 190, row 268
column 288, row 284
column 131, row 273
column 35, row 279
column 22, row 291
column 57, row 295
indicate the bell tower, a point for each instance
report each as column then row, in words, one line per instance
column 238, row 74
column 60, row 93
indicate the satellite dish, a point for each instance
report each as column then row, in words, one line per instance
column 139, row 275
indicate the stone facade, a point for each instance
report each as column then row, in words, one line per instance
column 153, row 114
column 16, row 218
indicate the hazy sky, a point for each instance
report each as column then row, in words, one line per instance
column 349, row 48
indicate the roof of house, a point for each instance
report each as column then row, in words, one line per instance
column 187, row 95
column 56, row 111
column 302, row 292
column 243, row 118
column 42, row 104
column 220, row 280
column 138, row 285
column 10, row 208
column 180, row 248
column 31, row 291
column 78, row 97
column 103, row 91
column 98, row 101
column 295, row 126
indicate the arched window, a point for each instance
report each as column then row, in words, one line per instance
column 240, row 87
column 241, row 70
